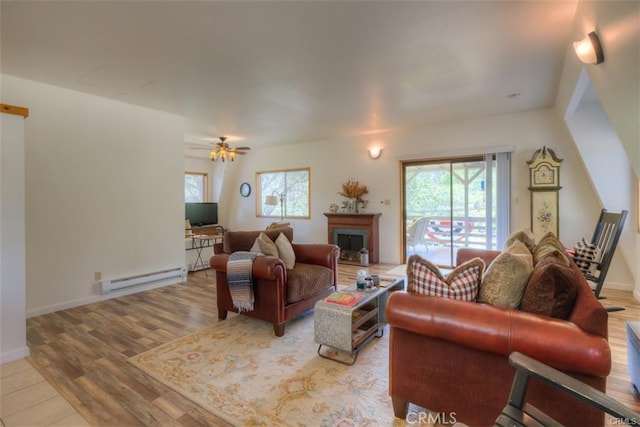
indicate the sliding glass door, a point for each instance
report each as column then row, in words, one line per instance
column 454, row 203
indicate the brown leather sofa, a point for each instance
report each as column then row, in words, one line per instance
column 451, row 356
column 280, row 294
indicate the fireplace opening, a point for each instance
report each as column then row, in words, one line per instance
column 350, row 243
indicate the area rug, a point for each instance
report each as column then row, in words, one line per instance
column 400, row 270
column 238, row 370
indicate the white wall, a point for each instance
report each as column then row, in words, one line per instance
column 333, row 161
column 617, row 84
column 104, row 192
column 13, row 327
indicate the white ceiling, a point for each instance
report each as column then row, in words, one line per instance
column 271, row 73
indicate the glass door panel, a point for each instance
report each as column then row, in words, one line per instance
column 448, row 205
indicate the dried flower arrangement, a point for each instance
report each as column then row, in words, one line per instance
column 352, row 189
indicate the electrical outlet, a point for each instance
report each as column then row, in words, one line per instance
column 97, row 276
column 387, row 202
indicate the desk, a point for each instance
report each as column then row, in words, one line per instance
column 200, row 242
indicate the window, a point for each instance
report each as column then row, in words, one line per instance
column 290, row 191
column 195, row 187
column 453, row 203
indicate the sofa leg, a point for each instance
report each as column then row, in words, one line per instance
column 400, row 407
column 222, row 314
column 278, row 329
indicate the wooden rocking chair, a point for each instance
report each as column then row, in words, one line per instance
column 605, row 238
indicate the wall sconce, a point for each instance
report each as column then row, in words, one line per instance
column 589, row 49
column 375, row 152
column 272, row 200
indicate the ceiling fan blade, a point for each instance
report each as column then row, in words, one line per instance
column 242, row 148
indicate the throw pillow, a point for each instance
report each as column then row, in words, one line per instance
column 506, row 277
column 552, row 289
column 524, row 236
column 549, row 245
column 285, row 251
column 267, row 246
column 256, row 246
column 586, row 255
column 462, row 283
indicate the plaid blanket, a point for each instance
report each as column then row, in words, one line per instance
column 240, row 280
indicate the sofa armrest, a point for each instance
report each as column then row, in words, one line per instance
column 465, row 254
column 264, row 267
column 325, row 255
column 557, row 343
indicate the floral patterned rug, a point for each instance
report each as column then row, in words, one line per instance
column 238, row 370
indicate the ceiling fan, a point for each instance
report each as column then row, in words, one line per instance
column 222, row 151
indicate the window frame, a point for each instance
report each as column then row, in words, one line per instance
column 261, row 194
column 205, row 189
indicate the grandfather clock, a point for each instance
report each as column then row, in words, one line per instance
column 544, row 185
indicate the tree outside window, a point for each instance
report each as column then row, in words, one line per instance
column 291, row 186
column 195, row 187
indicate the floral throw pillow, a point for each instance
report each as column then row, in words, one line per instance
column 462, row 283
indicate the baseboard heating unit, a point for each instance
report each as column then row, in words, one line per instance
column 143, row 279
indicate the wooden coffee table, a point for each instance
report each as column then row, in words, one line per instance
column 350, row 327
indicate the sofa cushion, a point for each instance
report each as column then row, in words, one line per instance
column 462, row 283
column 506, row 277
column 549, row 245
column 285, row 251
column 305, row 280
column 524, row 236
column 551, row 290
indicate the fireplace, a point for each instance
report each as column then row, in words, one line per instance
column 353, row 232
column 350, row 241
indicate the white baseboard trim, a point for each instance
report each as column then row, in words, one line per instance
column 10, row 356
column 97, row 298
column 618, row 286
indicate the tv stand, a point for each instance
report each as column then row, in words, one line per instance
column 201, row 242
column 208, row 229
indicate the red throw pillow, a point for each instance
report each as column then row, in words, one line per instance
column 462, row 283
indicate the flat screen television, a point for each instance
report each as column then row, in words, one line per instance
column 201, row 214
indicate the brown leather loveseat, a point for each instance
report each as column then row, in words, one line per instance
column 451, row 356
column 280, row 294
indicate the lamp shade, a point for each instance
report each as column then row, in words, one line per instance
column 589, row 49
column 271, row 201
column 375, row 152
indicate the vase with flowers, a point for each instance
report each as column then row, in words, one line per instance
column 353, row 191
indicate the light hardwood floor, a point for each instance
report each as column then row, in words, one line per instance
column 82, row 352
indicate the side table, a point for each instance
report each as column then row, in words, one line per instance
column 350, row 327
column 199, row 242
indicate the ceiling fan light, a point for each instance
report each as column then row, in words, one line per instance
column 232, row 156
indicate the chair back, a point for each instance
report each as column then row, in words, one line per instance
column 235, row 241
column 416, row 232
column 605, row 237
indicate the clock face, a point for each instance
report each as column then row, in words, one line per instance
column 544, row 175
